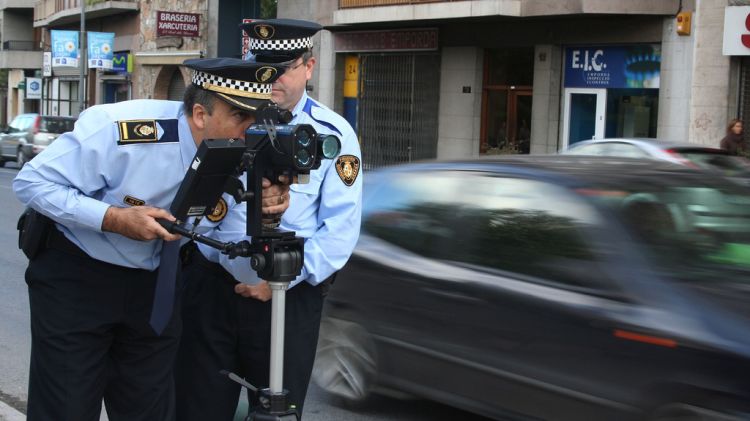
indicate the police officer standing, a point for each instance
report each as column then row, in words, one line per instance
column 102, row 288
column 226, row 323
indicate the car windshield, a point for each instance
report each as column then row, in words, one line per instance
column 694, row 228
column 56, row 125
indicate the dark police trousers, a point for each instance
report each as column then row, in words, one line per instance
column 223, row 330
column 91, row 340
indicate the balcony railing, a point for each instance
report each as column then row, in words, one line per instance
column 18, row 45
column 344, row 4
column 46, row 8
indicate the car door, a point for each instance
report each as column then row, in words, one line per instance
column 512, row 303
column 17, row 130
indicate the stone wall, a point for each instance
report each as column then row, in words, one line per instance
column 148, row 79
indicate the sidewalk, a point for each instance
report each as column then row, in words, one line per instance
column 10, row 414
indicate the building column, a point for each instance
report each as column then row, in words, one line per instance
column 545, row 102
column 460, row 110
column 709, row 90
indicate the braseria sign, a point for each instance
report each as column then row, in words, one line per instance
column 177, row 24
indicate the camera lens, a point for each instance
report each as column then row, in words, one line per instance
column 303, row 158
column 330, row 146
column 303, row 138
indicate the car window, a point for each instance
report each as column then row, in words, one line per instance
column 726, row 164
column 624, row 150
column 690, row 228
column 589, row 149
column 56, row 125
column 26, row 122
column 17, row 124
column 525, row 227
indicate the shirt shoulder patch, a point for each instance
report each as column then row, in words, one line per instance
column 219, row 211
column 347, row 167
column 137, row 131
column 133, row 132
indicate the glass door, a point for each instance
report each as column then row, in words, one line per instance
column 584, row 115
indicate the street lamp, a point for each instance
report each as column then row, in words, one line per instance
column 82, row 62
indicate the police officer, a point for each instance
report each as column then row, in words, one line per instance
column 98, row 332
column 217, row 310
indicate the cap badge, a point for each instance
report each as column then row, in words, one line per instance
column 347, row 166
column 264, row 31
column 219, row 211
column 264, row 73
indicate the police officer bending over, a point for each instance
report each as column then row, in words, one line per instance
column 106, row 261
column 226, row 323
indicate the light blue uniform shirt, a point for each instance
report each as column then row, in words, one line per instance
column 84, row 172
column 326, row 212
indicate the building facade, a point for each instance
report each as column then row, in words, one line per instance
column 453, row 79
column 151, row 40
column 20, row 57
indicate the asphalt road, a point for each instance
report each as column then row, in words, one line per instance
column 15, row 341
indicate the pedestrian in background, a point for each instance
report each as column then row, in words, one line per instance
column 105, row 320
column 734, row 141
column 226, row 323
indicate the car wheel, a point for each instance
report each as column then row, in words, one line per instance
column 345, row 362
column 21, row 158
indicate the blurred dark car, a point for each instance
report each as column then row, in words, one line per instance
column 549, row 287
column 691, row 155
column 29, row 134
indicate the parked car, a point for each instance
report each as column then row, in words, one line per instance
column 29, row 134
column 547, row 287
column 692, row 155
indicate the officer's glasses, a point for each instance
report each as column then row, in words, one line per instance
column 291, row 67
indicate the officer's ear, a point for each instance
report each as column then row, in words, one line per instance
column 200, row 113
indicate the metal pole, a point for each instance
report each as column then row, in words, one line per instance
column 82, row 57
column 278, row 303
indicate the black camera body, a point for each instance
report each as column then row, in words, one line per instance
column 270, row 149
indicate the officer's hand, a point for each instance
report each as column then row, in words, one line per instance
column 261, row 291
column 138, row 223
column 275, row 197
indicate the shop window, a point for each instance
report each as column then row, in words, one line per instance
column 506, row 101
column 632, row 113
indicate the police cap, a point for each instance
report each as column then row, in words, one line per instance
column 280, row 40
column 240, row 83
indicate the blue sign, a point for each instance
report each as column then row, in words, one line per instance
column 64, row 48
column 100, row 49
column 120, row 63
column 634, row 66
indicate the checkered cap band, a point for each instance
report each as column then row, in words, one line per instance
column 232, row 86
column 280, row 44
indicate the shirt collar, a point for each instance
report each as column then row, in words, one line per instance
column 187, row 143
column 300, row 104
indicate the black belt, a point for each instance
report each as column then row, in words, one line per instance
column 58, row 241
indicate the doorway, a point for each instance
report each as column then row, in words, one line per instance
column 585, row 110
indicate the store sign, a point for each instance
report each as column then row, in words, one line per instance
column 177, row 24
column 392, row 40
column 47, row 64
column 122, row 63
column 737, row 31
column 636, row 66
column 100, row 49
column 64, row 48
column 33, row 88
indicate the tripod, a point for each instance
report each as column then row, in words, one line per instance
column 273, row 400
